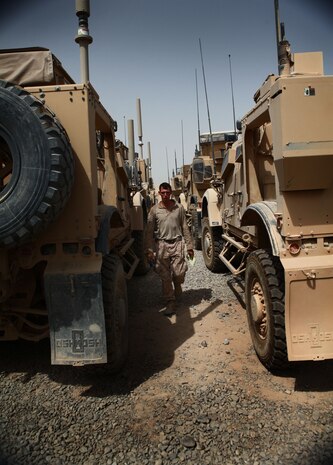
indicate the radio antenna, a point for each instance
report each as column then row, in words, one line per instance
column 198, row 116
column 167, row 163
column 183, row 160
column 210, row 127
column 232, row 95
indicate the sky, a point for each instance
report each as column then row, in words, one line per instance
column 149, row 49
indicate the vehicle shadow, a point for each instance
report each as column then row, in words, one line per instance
column 310, row 376
column 153, row 340
column 236, row 285
column 153, row 337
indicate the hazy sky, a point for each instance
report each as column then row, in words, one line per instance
column 150, row 49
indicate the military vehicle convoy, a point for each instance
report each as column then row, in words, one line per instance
column 191, row 181
column 205, row 166
column 269, row 213
column 72, row 213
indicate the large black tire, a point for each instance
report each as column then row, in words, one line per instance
column 264, row 297
column 139, row 250
column 116, row 311
column 195, row 230
column 212, row 245
column 36, row 166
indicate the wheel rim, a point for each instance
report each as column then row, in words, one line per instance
column 258, row 310
column 207, row 244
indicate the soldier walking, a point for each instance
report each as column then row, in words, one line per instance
column 169, row 245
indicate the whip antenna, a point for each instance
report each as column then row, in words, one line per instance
column 182, row 143
column 232, row 95
column 210, row 127
column 198, row 117
column 167, row 163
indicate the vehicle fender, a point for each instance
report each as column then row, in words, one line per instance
column 210, row 207
column 109, row 217
column 265, row 213
column 138, row 212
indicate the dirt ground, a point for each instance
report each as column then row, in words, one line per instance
column 193, row 376
column 208, row 340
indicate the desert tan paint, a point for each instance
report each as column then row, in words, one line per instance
column 287, row 144
column 282, row 163
column 100, row 181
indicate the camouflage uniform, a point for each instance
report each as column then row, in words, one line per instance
column 171, row 236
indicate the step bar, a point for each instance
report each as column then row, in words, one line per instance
column 236, row 250
column 129, row 259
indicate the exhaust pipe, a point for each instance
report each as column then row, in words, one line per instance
column 131, row 148
column 138, row 112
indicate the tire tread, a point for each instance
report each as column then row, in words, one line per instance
column 274, row 275
column 213, row 263
column 60, row 174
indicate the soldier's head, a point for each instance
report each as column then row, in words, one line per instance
column 165, row 191
column 165, row 186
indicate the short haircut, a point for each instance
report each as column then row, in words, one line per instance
column 165, row 185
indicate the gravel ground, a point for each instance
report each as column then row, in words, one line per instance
column 192, row 392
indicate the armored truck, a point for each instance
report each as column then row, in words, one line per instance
column 269, row 215
column 191, row 181
column 205, row 166
column 71, row 217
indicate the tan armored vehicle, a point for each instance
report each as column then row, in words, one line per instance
column 71, row 217
column 270, row 216
column 192, row 181
column 179, row 182
column 205, row 166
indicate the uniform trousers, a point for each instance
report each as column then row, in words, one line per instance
column 171, row 266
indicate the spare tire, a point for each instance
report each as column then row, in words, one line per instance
column 36, row 166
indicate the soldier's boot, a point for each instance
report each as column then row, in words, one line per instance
column 178, row 290
column 177, row 282
column 167, row 289
column 170, row 308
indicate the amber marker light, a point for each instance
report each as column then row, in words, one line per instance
column 294, row 248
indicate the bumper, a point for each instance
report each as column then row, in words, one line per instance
column 309, row 307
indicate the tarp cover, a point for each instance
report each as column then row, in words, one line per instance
column 32, row 66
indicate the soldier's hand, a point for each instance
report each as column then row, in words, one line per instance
column 190, row 253
column 150, row 256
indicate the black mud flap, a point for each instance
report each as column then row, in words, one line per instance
column 76, row 318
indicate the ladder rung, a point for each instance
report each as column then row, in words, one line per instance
column 131, row 260
column 128, row 244
column 227, row 263
column 236, row 244
column 130, row 272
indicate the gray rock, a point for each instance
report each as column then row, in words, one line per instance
column 188, row 442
